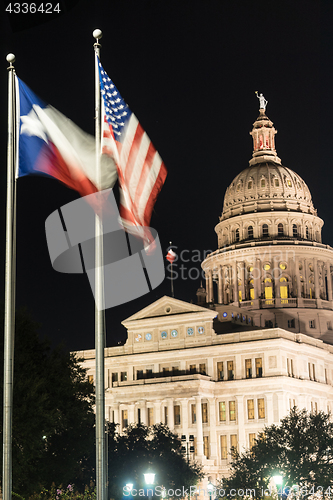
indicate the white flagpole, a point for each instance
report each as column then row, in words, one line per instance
column 101, row 472
column 9, row 326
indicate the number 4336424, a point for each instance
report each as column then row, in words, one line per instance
column 32, row 8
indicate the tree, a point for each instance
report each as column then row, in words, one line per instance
column 140, row 449
column 53, row 418
column 300, row 449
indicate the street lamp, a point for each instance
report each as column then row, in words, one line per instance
column 210, row 488
column 149, row 479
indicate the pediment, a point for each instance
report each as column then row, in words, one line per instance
column 168, row 306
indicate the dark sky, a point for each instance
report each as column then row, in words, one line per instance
column 188, row 69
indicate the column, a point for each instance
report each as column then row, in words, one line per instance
column 297, row 271
column 144, row 419
column 257, row 278
column 316, row 278
column 306, row 278
column 116, row 414
column 131, row 413
column 212, row 430
column 234, row 282
column 184, row 416
column 209, row 280
column 243, row 288
column 281, row 405
column 276, row 281
column 171, row 420
column 240, row 422
column 329, row 280
column 220, row 286
column 199, row 427
column 270, row 409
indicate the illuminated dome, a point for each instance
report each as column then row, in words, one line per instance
column 266, row 184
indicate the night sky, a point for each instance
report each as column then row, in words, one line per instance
column 188, row 69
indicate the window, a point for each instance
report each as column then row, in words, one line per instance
column 295, row 233
column 204, row 411
column 193, row 368
column 261, row 408
column 194, row 413
column 248, row 368
column 262, row 183
column 114, row 377
column 222, row 411
column 250, row 409
column 91, row 379
column 249, row 185
column 150, row 416
column 309, row 370
column 206, row 446
column 268, row 323
column 276, row 182
column 283, row 288
column 290, row 367
column 252, row 439
column 232, row 411
column 312, row 323
column 307, row 232
column 265, row 233
column 316, row 407
column 289, row 183
column 139, row 415
column 220, row 370
column 233, row 443
column 139, row 374
column 224, row 449
column 291, row 323
column 267, row 267
column 280, row 229
column 176, row 410
column 166, row 371
column 313, row 372
column 149, row 373
column 175, row 370
column 329, row 325
column 123, row 376
column 237, row 234
column 230, row 368
column 124, row 418
column 166, row 415
column 250, row 232
column 202, row 368
column 258, row 367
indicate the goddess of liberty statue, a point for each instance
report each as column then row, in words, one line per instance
column 262, row 101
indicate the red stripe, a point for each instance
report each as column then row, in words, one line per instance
column 154, row 193
column 128, row 169
column 145, row 172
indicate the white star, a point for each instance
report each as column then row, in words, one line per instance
column 31, row 125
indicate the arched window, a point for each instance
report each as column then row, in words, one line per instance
column 251, row 289
column 250, row 232
column 237, row 234
column 268, row 288
column 307, row 232
column 283, row 288
column 249, row 186
column 265, row 233
column 294, row 231
column 262, row 183
column 280, row 229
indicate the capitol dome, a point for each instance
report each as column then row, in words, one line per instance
column 266, row 184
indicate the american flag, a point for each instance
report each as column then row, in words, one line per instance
column 141, row 172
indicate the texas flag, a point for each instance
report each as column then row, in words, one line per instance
column 171, row 256
column 51, row 144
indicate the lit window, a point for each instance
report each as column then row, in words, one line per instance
column 232, row 410
column 222, row 411
column 124, row 418
column 261, row 408
column 150, row 416
column 250, row 409
column 91, row 379
column 220, row 371
column 289, row 184
column 230, row 368
column 252, row 439
column 276, row 182
column 250, row 269
column 258, row 367
column 283, row 265
column 233, row 443
column 248, row 368
column 204, row 411
column 176, row 411
column 194, row 413
column 267, row 267
column 206, row 446
column 224, row 449
column 263, row 183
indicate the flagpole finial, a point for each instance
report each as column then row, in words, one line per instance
column 97, row 34
column 10, row 58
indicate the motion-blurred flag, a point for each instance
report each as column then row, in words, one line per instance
column 141, row 172
column 171, row 256
column 51, row 144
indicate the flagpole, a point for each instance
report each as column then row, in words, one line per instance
column 9, row 324
column 101, row 472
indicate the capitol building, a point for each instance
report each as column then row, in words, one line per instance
column 258, row 342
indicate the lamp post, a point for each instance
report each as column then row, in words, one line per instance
column 128, row 489
column 210, row 488
column 188, row 446
column 149, row 479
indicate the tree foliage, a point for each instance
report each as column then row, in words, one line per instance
column 300, row 449
column 53, row 419
column 140, row 449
